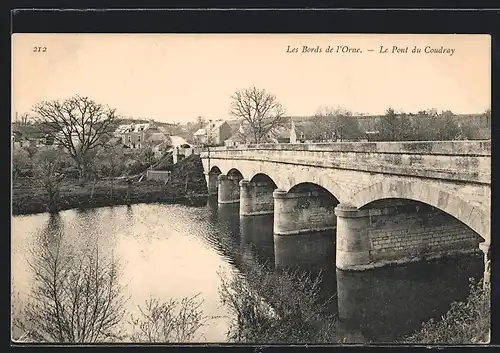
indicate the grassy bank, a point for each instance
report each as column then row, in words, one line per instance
column 187, row 179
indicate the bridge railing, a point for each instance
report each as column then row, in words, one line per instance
column 469, row 148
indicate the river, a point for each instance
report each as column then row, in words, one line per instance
column 176, row 251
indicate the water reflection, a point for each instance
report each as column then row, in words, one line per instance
column 174, row 251
column 257, row 239
column 386, row 303
column 312, row 251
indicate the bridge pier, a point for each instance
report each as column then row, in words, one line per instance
column 304, row 229
column 400, row 233
column 302, row 212
column 485, row 248
column 353, row 243
column 212, row 184
column 229, row 189
column 256, row 198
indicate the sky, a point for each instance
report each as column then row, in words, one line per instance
column 178, row 77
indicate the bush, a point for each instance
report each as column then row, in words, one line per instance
column 22, row 163
column 187, row 176
column 76, row 295
column 167, row 322
column 466, row 322
column 277, row 308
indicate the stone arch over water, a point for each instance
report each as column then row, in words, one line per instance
column 264, row 178
column 474, row 217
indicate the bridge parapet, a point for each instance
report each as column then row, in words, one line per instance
column 469, row 148
column 462, row 161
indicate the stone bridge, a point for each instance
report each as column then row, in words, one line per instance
column 387, row 201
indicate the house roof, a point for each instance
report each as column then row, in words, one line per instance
column 216, row 124
column 123, row 128
column 306, row 129
column 282, row 132
column 141, row 127
column 178, row 141
column 234, row 125
column 236, row 138
column 200, row 132
column 155, row 136
column 114, row 141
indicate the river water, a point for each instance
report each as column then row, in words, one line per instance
column 176, row 251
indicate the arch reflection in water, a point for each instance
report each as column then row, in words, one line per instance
column 313, row 253
column 387, row 303
column 228, row 234
column 313, row 250
column 257, row 239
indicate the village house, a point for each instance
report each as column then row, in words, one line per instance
column 175, row 144
column 122, row 129
column 237, row 137
column 137, row 136
column 214, row 133
column 23, row 136
column 234, row 140
column 159, row 148
column 292, row 133
column 301, row 133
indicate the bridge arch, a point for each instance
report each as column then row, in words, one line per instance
column 262, row 177
column 473, row 216
column 324, row 183
column 215, row 170
column 311, row 187
column 235, row 172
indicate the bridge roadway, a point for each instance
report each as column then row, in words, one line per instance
column 386, row 201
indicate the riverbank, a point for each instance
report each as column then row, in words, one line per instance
column 187, row 183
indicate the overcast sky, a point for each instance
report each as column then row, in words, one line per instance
column 175, row 78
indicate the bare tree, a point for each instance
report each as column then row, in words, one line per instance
column 48, row 172
column 112, row 162
column 21, row 162
column 335, row 123
column 324, row 124
column 25, row 118
column 259, row 111
column 76, row 295
column 172, row 321
column 78, row 124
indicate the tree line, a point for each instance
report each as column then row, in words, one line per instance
column 261, row 117
column 80, row 125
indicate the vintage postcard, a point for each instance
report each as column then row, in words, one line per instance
column 251, row 188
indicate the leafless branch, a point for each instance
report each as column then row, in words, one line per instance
column 78, row 124
column 259, row 112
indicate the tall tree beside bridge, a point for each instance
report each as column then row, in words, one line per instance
column 335, row 124
column 78, row 124
column 388, row 126
column 259, row 112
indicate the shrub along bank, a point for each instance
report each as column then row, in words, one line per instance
column 467, row 322
column 187, row 182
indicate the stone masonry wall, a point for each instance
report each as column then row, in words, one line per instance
column 413, row 231
column 305, row 212
column 263, row 197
